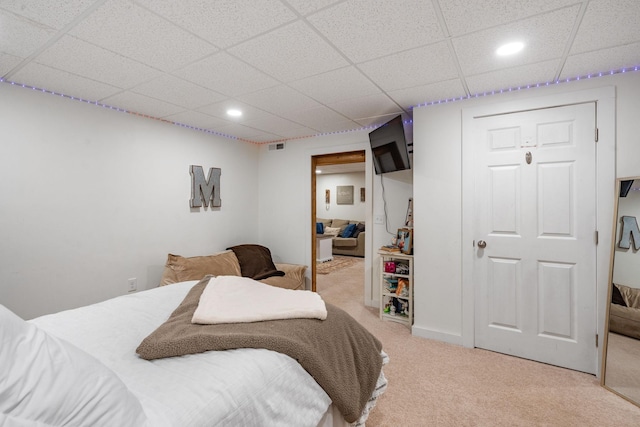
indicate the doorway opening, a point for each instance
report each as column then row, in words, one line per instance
column 345, row 161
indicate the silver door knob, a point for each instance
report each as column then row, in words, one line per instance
column 482, row 244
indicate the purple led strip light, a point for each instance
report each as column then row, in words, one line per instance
column 533, row 86
column 371, row 127
column 121, row 110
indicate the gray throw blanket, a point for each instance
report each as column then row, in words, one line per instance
column 339, row 353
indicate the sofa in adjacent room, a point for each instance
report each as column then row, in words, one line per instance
column 624, row 315
column 348, row 235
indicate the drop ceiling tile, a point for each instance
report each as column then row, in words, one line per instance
column 601, row 61
column 410, row 62
column 279, row 100
column 223, row 22
column 59, row 81
column 545, row 37
column 420, row 66
column 132, row 31
column 322, row 119
column 414, row 96
column 607, row 23
column 271, row 123
column 366, row 106
column 8, row 62
column 197, row 119
column 377, row 121
column 512, row 78
column 305, row 7
column 244, row 132
column 142, row 105
column 48, row 12
column 300, row 132
column 178, row 91
column 21, row 37
column 219, row 109
column 336, row 85
column 363, row 30
column 464, row 16
column 227, row 75
column 292, row 52
column 79, row 57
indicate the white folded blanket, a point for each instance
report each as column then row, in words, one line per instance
column 234, row 299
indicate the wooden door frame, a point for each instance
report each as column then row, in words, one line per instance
column 358, row 156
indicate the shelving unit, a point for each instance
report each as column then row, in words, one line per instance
column 392, row 278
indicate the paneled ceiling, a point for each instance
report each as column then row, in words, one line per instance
column 298, row 68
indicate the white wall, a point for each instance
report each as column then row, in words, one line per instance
column 438, row 195
column 393, row 191
column 354, row 212
column 285, row 200
column 90, row 197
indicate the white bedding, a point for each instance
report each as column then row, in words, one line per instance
column 235, row 299
column 247, row 387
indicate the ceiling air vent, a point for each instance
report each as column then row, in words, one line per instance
column 276, row 146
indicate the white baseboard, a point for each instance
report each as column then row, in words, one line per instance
column 438, row 336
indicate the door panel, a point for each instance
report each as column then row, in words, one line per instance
column 535, row 208
column 556, row 199
column 505, row 206
column 556, row 286
column 504, row 280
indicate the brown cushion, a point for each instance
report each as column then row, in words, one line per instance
column 168, row 276
column 345, row 242
column 624, row 320
column 195, row 268
column 340, row 223
column 283, row 282
column 630, row 295
column 255, row 261
column 292, row 271
column 616, row 296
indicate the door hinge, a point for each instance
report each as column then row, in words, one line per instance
column 596, row 135
column 596, row 340
column 596, row 237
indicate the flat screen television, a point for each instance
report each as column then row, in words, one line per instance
column 389, row 147
column 625, row 186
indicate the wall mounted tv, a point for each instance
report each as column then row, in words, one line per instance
column 625, row 186
column 389, row 147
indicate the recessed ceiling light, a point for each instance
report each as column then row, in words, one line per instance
column 509, row 48
column 234, row 112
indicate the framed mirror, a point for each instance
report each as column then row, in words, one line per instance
column 621, row 361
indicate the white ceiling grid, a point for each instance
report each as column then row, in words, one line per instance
column 303, row 67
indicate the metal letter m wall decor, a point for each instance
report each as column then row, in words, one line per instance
column 629, row 232
column 205, row 190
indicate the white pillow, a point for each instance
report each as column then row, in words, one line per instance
column 45, row 381
column 332, row 231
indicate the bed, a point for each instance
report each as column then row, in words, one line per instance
column 80, row 367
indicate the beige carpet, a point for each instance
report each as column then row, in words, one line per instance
column 337, row 263
column 623, row 370
column 437, row 384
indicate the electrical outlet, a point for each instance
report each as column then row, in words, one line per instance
column 378, row 219
column 133, row 284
